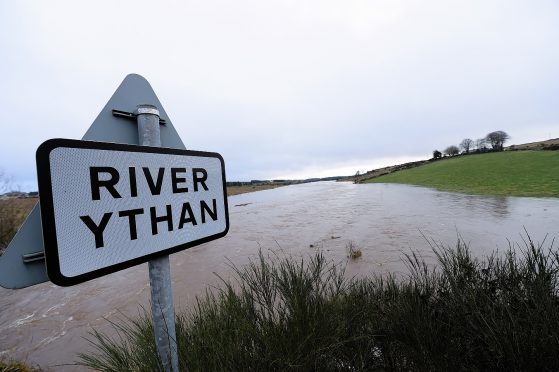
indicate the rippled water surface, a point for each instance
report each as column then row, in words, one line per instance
column 46, row 324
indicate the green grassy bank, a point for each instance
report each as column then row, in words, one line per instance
column 496, row 314
column 514, row 173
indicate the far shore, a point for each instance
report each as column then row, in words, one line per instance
column 236, row 190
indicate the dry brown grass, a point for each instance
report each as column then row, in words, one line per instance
column 12, row 214
column 16, row 366
column 235, row 190
column 540, row 145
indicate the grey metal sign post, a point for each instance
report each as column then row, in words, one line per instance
column 162, row 308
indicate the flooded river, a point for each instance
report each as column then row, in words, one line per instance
column 46, row 324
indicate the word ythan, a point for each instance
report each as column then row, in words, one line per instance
column 166, row 218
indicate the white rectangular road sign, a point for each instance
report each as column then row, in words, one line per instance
column 106, row 207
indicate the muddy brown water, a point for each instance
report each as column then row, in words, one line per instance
column 46, row 324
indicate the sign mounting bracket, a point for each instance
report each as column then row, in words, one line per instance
column 33, row 257
column 131, row 115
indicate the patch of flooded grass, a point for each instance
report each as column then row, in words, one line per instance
column 16, row 366
column 500, row 313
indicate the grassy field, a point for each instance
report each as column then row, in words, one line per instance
column 514, row 173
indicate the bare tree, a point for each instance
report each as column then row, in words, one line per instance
column 8, row 224
column 452, row 150
column 6, row 183
column 480, row 144
column 497, row 139
column 466, row 144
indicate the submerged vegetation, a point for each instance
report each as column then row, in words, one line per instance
column 352, row 251
column 499, row 313
column 509, row 173
column 15, row 366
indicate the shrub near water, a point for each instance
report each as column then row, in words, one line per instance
column 15, row 366
column 499, row 313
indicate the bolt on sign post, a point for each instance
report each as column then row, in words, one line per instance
column 107, row 206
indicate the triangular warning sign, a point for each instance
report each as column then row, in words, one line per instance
column 23, row 264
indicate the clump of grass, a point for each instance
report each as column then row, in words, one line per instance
column 132, row 349
column 15, row 366
column 499, row 313
column 352, row 251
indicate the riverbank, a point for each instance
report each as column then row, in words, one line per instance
column 236, row 190
column 275, row 314
column 508, row 173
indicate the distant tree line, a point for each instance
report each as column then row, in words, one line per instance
column 495, row 139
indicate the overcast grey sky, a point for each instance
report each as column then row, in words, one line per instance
column 284, row 89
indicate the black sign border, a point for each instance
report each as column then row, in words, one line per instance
column 47, row 207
